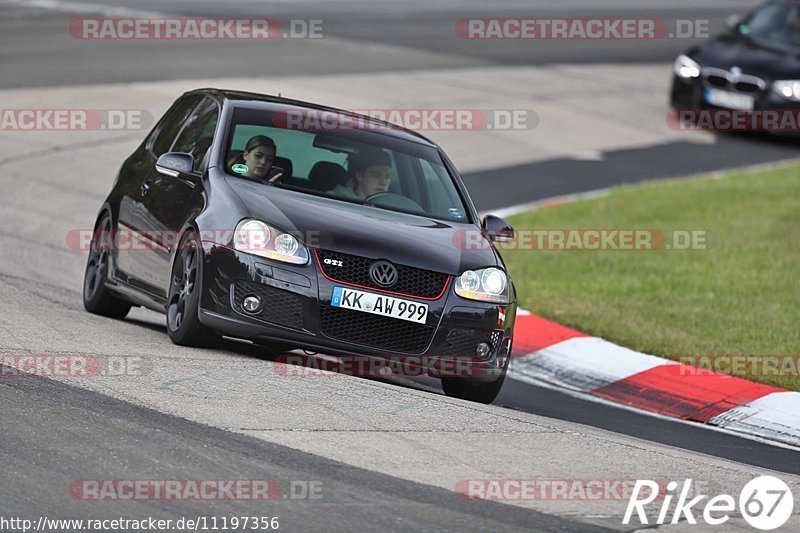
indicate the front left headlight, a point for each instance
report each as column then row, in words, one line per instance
column 789, row 89
column 486, row 285
column 686, row 67
column 255, row 237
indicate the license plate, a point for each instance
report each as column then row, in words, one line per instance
column 379, row 304
column 727, row 99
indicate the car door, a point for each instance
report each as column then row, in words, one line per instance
column 166, row 202
column 132, row 222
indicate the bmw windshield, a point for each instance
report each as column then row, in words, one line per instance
column 775, row 24
column 343, row 157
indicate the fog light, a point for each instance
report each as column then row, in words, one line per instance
column 251, row 304
column 483, row 351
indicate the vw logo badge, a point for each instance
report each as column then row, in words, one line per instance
column 383, row 273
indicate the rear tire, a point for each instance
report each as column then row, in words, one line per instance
column 183, row 300
column 97, row 298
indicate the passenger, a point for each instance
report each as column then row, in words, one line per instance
column 258, row 157
column 371, row 171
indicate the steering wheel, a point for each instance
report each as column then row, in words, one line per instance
column 391, row 199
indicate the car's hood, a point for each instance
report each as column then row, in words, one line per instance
column 728, row 51
column 354, row 229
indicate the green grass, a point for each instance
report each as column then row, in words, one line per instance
column 739, row 297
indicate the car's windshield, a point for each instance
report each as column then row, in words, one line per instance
column 777, row 24
column 336, row 156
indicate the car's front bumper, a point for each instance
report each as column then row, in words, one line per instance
column 771, row 113
column 689, row 93
column 297, row 312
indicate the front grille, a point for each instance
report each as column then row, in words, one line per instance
column 718, row 81
column 410, row 281
column 746, row 87
column 374, row 331
column 722, row 79
column 464, row 341
column 279, row 306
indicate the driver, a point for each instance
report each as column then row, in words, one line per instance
column 791, row 30
column 372, row 172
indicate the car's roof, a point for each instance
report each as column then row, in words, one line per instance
column 385, row 128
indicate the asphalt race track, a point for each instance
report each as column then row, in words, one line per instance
column 355, row 498
column 388, row 454
column 416, row 34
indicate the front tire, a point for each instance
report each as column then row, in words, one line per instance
column 183, row 300
column 97, row 298
column 467, row 389
column 271, row 350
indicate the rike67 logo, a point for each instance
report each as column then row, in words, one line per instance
column 765, row 502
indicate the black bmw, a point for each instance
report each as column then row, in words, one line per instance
column 753, row 66
column 300, row 226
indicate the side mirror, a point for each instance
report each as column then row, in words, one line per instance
column 497, row 229
column 176, row 165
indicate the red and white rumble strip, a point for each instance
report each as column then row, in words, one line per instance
column 548, row 352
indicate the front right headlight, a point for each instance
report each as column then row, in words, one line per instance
column 686, row 67
column 486, row 285
column 255, row 237
column 789, row 89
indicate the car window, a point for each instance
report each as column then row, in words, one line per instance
column 775, row 23
column 198, row 132
column 171, row 123
column 440, row 200
column 375, row 168
column 295, row 146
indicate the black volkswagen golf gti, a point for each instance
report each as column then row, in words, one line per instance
column 298, row 226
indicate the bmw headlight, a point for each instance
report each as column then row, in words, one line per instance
column 686, row 68
column 257, row 238
column 789, row 89
column 487, row 285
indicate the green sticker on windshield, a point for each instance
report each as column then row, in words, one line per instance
column 239, row 168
